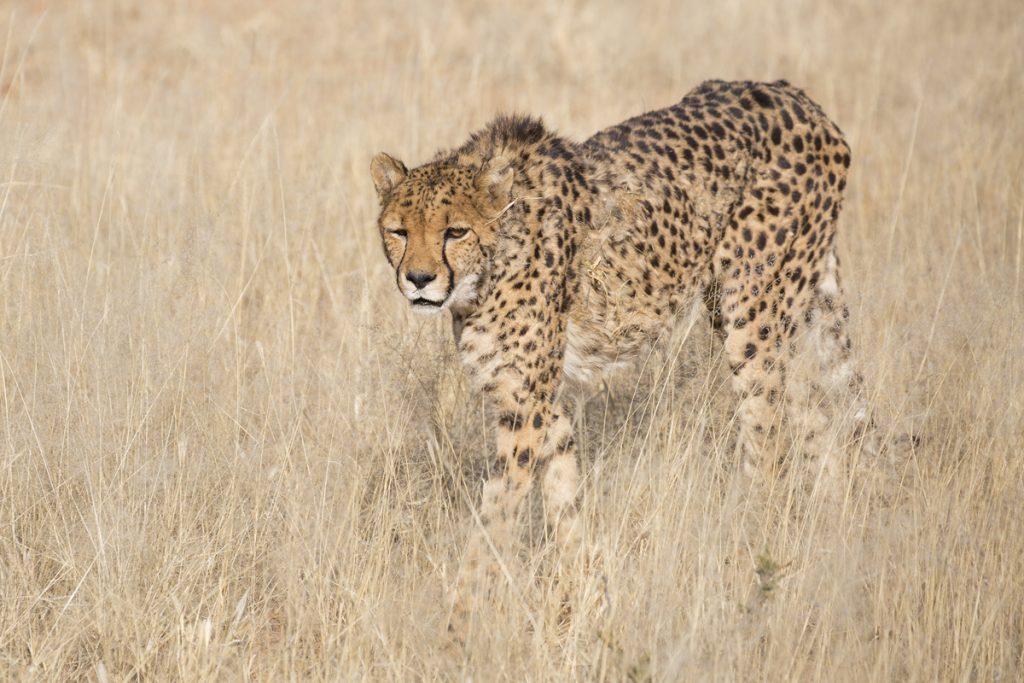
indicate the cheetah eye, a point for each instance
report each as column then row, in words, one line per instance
column 455, row 233
column 397, row 232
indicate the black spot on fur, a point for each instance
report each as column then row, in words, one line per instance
column 762, row 98
column 513, row 421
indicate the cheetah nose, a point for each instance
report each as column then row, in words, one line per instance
column 419, row 278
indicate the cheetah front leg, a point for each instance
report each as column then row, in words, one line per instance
column 522, row 427
column 561, row 484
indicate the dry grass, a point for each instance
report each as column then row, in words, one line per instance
column 227, row 451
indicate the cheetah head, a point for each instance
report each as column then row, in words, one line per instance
column 438, row 223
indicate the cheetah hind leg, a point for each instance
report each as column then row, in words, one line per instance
column 842, row 379
column 831, row 407
column 758, row 380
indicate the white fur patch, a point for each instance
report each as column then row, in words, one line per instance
column 464, row 292
column 828, row 285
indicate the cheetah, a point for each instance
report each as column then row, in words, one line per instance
column 558, row 260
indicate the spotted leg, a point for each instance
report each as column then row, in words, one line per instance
column 561, row 484
column 758, row 379
column 842, row 386
column 524, row 422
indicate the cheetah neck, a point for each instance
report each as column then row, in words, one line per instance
column 549, row 180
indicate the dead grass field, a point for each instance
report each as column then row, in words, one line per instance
column 228, row 452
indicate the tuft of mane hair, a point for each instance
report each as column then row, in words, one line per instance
column 506, row 134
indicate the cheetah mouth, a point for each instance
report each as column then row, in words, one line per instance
column 427, row 303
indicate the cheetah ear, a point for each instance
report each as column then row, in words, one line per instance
column 387, row 172
column 494, row 184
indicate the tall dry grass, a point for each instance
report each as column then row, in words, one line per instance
column 228, row 452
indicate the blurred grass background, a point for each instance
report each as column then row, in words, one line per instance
column 228, row 452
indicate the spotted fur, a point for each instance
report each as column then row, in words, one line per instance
column 560, row 259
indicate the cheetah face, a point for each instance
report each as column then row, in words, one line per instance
column 437, row 223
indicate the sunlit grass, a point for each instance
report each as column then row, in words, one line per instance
column 227, row 451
